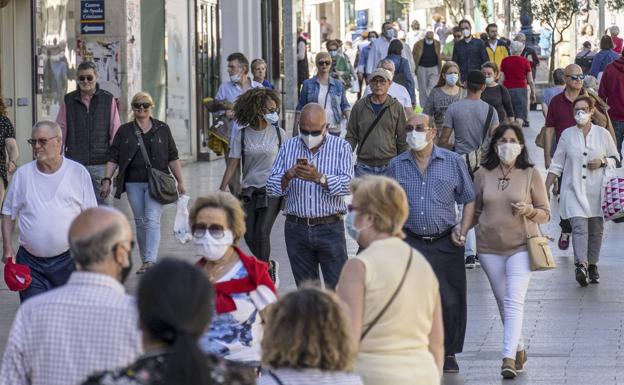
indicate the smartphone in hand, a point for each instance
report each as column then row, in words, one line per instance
column 302, row 161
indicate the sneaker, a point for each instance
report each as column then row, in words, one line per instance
column 581, row 275
column 508, row 370
column 594, row 276
column 274, row 272
column 477, row 261
column 526, row 124
column 521, row 359
column 450, row 364
column 471, row 261
column 564, row 241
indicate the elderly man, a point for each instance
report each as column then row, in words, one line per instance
column 45, row 195
column 376, row 127
column 88, row 325
column 379, row 48
column 396, row 90
column 435, row 180
column 426, row 53
column 313, row 171
column 89, row 119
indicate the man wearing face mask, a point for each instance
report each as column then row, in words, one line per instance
column 426, row 54
column 362, row 58
column 379, row 49
column 434, row 180
column 469, row 53
column 91, row 313
column 313, row 171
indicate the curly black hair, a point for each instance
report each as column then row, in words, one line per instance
column 251, row 105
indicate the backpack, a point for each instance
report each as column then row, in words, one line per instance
column 399, row 77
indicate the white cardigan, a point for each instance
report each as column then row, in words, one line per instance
column 580, row 186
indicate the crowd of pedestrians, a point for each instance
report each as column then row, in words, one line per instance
column 432, row 194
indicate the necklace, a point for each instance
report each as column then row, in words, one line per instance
column 503, row 182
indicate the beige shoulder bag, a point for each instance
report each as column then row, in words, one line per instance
column 540, row 255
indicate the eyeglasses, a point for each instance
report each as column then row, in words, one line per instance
column 40, row 141
column 215, row 231
column 144, row 106
column 576, row 77
column 352, row 208
column 88, row 78
column 308, row 133
column 417, row 128
column 323, row 63
column 378, row 80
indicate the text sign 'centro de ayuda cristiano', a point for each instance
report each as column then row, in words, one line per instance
column 92, row 19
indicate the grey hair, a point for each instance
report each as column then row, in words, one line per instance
column 96, row 248
column 590, row 82
column 50, row 124
column 615, row 30
column 387, row 62
column 517, row 47
column 520, row 35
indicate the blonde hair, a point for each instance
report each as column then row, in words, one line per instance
column 322, row 55
column 141, row 96
column 226, row 202
column 383, row 199
column 308, row 329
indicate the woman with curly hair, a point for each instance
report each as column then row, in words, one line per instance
column 255, row 146
column 7, row 141
column 307, row 341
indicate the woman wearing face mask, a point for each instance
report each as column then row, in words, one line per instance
column 341, row 67
column 502, row 208
column 399, row 340
column 257, row 113
column 242, row 283
column 447, row 91
column 583, row 153
column 496, row 94
column 402, row 73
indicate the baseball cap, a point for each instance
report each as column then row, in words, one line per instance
column 16, row 275
column 475, row 77
column 384, row 73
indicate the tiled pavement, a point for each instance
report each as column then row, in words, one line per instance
column 574, row 336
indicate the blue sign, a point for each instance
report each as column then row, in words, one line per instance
column 92, row 20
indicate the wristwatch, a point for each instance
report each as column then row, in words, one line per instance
column 603, row 163
column 323, row 180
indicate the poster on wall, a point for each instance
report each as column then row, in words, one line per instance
column 105, row 55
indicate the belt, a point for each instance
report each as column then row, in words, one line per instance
column 429, row 238
column 314, row 221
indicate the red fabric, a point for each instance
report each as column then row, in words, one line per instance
column 560, row 114
column 17, row 276
column 257, row 274
column 612, row 89
column 618, row 42
column 515, row 69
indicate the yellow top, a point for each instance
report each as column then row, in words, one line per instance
column 396, row 350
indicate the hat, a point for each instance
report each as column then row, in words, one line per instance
column 384, row 73
column 475, row 77
column 17, row 276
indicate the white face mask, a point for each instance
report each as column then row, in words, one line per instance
column 508, row 152
column 582, row 117
column 213, row 249
column 489, row 81
column 428, row 41
column 312, row 141
column 271, row 118
column 451, row 79
column 235, row 78
column 417, row 140
column 466, row 33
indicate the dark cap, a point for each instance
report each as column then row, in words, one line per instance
column 475, row 77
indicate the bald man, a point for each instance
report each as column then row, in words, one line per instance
column 89, row 324
column 45, row 195
column 313, row 170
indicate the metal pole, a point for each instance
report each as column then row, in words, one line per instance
column 601, row 17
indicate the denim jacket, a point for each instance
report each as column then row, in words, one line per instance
column 310, row 94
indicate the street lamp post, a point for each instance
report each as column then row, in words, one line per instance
column 526, row 19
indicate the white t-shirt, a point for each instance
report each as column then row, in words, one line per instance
column 324, row 99
column 398, row 92
column 47, row 204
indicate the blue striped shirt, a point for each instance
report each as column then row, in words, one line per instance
column 308, row 199
column 432, row 196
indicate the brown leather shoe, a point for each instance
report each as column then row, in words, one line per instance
column 521, row 359
column 508, row 370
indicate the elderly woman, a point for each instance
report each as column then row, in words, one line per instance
column 399, row 340
column 258, row 70
column 516, row 74
column 307, row 341
column 8, row 145
column 447, row 91
column 496, row 94
column 170, row 333
column 583, row 153
column 242, row 283
column 255, row 146
column 326, row 91
column 133, row 178
column 502, row 209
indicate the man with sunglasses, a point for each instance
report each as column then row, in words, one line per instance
column 313, row 171
column 89, row 119
column 45, row 195
column 90, row 322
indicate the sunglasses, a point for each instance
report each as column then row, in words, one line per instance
column 41, row 141
column 577, row 77
column 323, row 62
column 351, row 208
column 88, row 78
column 144, row 106
column 308, row 133
column 417, row 128
column 215, row 231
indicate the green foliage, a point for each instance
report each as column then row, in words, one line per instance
column 485, row 12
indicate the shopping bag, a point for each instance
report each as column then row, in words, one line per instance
column 613, row 195
column 181, row 227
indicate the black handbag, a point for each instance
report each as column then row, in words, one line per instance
column 162, row 185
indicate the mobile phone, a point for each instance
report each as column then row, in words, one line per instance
column 302, row 161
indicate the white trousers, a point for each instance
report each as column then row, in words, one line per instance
column 509, row 278
column 427, row 78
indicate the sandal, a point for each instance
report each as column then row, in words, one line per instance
column 145, row 267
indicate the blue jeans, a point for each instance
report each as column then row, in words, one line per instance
column 46, row 273
column 618, row 127
column 147, row 213
column 311, row 246
column 362, row 169
column 98, row 172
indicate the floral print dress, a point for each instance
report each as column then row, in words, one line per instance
column 6, row 131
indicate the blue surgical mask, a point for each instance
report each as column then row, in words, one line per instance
column 372, row 39
column 451, row 79
column 333, row 53
column 391, row 33
column 353, row 231
column 272, row 118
